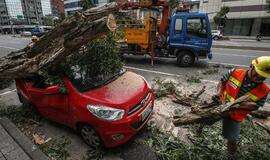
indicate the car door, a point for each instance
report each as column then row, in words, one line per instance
column 50, row 102
column 196, row 31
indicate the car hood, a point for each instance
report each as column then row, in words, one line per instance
column 124, row 92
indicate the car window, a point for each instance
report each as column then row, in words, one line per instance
column 39, row 83
column 197, row 27
column 178, row 25
column 83, row 82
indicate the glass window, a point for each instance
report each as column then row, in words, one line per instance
column 197, row 27
column 178, row 25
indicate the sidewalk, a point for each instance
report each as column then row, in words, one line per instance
column 14, row 145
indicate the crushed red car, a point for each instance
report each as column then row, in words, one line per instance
column 105, row 111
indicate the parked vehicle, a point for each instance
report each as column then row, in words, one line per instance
column 108, row 110
column 217, row 34
column 26, row 34
column 189, row 36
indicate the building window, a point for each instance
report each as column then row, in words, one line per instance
column 73, row 5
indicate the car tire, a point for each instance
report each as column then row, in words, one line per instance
column 216, row 38
column 185, row 59
column 90, row 136
column 24, row 101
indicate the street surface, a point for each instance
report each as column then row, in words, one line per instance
column 163, row 66
column 9, row 43
column 220, row 55
column 243, row 42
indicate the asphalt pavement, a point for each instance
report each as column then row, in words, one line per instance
column 9, row 43
column 243, row 43
column 236, row 57
column 233, row 57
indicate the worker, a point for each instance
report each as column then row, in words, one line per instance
column 236, row 83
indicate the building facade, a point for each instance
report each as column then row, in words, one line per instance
column 246, row 17
column 58, row 7
column 29, row 12
column 32, row 10
column 46, row 7
column 72, row 6
column 194, row 6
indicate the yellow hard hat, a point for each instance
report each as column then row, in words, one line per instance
column 262, row 66
column 35, row 38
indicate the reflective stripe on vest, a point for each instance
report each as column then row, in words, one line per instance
column 235, row 81
column 228, row 97
column 233, row 86
column 252, row 97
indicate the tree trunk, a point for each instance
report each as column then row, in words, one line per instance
column 62, row 41
column 207, row 115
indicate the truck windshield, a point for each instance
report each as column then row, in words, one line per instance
column 84, row 82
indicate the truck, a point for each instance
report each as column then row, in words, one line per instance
column 187, row 38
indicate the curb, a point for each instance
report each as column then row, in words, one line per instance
column 28, row 147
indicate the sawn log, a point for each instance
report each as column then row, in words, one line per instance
column 208, row 115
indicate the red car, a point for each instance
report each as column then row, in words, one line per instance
column 105, row 111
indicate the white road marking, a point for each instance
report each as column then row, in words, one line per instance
column 8, row 92
column 165, row 73
column 230, row 64
column 236, row 55
column 9, row 48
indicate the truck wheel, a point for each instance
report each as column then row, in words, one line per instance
column 185, row 59
column 90, row 136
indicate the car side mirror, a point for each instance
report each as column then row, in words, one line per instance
column 52, row 90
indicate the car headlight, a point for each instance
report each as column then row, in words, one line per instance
column 106, row 113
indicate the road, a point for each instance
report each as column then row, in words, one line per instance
column 243, row 42
column 9, row 43
column 235, row 57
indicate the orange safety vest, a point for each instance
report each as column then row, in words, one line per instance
column 232, row 88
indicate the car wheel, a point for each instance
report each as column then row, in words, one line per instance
column 216, row 38
column 23, row 100
column 90, row 136
column 185, row 59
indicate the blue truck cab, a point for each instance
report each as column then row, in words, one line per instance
column 190, row 37
column 37, row 31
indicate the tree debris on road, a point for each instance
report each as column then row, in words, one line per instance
column 208, row 115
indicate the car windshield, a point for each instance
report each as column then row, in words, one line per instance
column 84, row 82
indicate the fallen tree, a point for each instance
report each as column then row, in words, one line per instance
column 208, row 115
column 63, row 40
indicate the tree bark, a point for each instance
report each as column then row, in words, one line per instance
column 62, row 41
column 261, row 114
column 207, row 115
